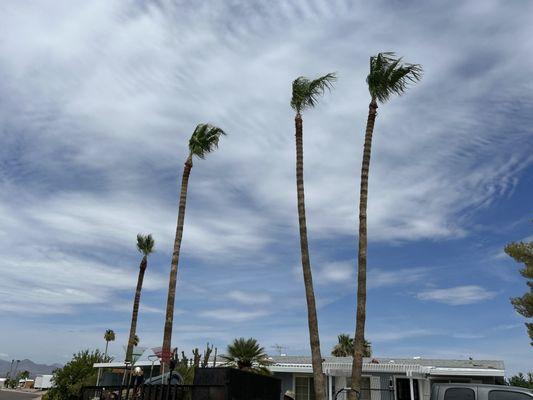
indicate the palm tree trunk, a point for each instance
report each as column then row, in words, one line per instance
column 359, row 346
column 167, row 335
column 135, row 314
column 320, row 387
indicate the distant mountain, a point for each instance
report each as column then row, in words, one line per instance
column 28, row 365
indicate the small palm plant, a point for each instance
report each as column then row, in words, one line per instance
column 305, row 94
column 345, row 346
column 145, row 245
column 203, row 141
column 388, row 76
column 248, row 355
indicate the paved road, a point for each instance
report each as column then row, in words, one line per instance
column 9, row 395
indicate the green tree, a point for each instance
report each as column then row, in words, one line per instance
column 521, row 380
column 345, row 346
column 23, row 375
column 248, row 355
column 388, row 76
column 203, row 141
column 145, row 245
column 522, row 252
column 69, row 380
column 305, row 94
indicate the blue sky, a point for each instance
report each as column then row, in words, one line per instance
column 98, row 99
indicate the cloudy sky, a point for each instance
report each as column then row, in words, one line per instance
column 98, row 99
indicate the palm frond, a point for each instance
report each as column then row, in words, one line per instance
column 109, row 335
column 246, row 354
column 389, row 75
column 306, row 92
column 145, row 243
column 204, row 140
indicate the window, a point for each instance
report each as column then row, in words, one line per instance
column 403, row 389
column 459, row 394
column 416, row 390
column 304, row 388
column 508, row 395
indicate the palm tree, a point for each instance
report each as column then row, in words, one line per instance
column 145, row 245
column 109, row 336
column 305, row 94
column 204, row 140
column 345, row 345
column 388, row 76
column 248, row 355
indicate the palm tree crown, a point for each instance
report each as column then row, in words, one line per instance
column 145, row 244
column 388, row 75
column 204, row 140
column 247, row 354
column 109, row 335
column 305, row 92
column 344, row 347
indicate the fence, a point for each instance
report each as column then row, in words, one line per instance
column 367, row 394
column 155, row 392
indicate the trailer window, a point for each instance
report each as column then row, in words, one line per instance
column 508, row 395
column 459, row 394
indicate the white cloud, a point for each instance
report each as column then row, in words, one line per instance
column 249, row 298
column 398, row 334
column 337, row 272
column 233, row 315
column 102, row 97
column 380, row 278
column 459, row 295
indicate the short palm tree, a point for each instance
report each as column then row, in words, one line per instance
column 248, row 355
column 345, row 346
column 388, row 76
column 109, row 336
column 305, row 94
column 204, row 140
column 145, row 245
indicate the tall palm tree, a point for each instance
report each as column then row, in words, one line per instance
column 204, row 140
column 145, row 245
column 305, row 94
column 388, row 76
column 248, row 355
column 344, row 347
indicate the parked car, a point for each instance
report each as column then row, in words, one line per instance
column 467, row 391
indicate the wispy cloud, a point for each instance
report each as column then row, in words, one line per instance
column 233, row 315
column 380, row 278
column 99, row 102
column 398, row 334
column 459, row 295
column 249, row 298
